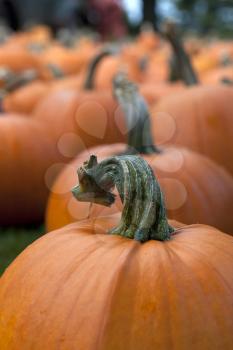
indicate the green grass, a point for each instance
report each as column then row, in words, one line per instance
column 13, row 241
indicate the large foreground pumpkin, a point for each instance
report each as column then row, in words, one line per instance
column 81, row 288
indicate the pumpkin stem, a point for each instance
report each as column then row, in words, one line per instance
column 55, row 70
column 143, row 63
column 16, row 81
column 181, row 66
column 137, row 116
column 6, row 74
column 227, row 81
column 143, row 215
column 89, row 81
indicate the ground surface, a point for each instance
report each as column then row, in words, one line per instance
column 13, row 241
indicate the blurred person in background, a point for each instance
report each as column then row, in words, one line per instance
column 107, row 17
column 104, row 16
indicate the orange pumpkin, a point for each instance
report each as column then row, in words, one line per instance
column 127, row 59
column 81, row 287
column 39, row 34
column 190, row 197
column 26, row 153
column 93, row 117
column 199, row 118
column 17, row 59
column 70, row 61
column 33, row 149
column 26, row 98
column 36, row 149
column 218, row 75
column 181, row 66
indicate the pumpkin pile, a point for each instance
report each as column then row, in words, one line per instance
column 139, row 253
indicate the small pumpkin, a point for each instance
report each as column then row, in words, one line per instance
column 82, row 287
column 218, row 75
column 17, row 59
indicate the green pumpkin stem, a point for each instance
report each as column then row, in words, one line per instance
column 55, row 71
column 227, row 81
column 181, row 66
column 15, row 81
column 89, row 81
column 137, row 116
column 143, row 215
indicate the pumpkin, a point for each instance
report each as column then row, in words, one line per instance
column 80, row 287
column 154, row 92
column 38, row 34
column 26, row 154
column 181, row 66
column 184, row 176
column 147, row 40
column 17, row 59
column 92, row 118
column 205, row 61
column 26, row 98
column 157, row 67
column 31, row 152
column 199, row 118
column 218, row 75
column 70, row 61
column 190, row 197
column 67, row 125
column 155, row 85
column 110, row 66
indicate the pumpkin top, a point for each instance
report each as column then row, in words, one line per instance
column 143, row 216
column 89, row 81
column 180, row 60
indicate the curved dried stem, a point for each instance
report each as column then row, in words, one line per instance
column 143, row 215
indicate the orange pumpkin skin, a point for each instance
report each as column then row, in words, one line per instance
column 24, row 99
column 22, row 174
column 80, row 288
column 217, row 75
column 199, row 118
column 70, row 61
column 39, row 34
column 110, row 66
column 17, row 59
column 26, row 153
column 153, row 92
column 205, row 61
column 190, row 197
column 33, row 149
column 94, row 118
